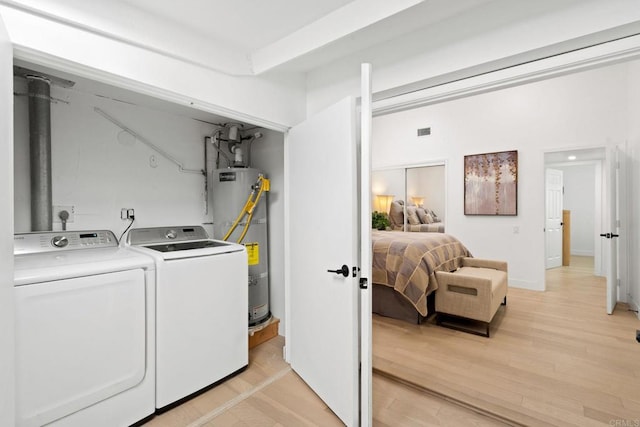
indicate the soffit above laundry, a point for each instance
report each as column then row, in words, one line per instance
column 250, row 37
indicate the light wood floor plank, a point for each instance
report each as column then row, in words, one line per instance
column 554, row 357
column 283, row 399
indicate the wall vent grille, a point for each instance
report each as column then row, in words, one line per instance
column 424, row 131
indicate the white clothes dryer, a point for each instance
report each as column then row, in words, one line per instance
column 85, row 330
column 201, row 320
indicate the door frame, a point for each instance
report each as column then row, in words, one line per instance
column 600, row 220
column 7, row 304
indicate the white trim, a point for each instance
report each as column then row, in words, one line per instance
column 366, row 343
column 576, row 252
column 434, row 162
column 239, row 69
column 574, row 61
column 61, row 64
column 287, row 251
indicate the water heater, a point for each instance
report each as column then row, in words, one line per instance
column 231, row 188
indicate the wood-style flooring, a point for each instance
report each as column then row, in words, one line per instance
column 269, row 393
column 554, row 357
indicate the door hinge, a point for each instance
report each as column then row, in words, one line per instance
column 364, row 283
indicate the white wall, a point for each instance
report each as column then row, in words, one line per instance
column 581, row 110
column 579, row 198
column 7, row 346
column 633, row 201
column 98, row 174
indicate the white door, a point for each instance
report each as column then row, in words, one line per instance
column 611, row 231
column 323, row 196
column 553, row 217
column 6, row 230
column 79, row 341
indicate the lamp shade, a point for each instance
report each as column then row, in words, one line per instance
column 417, row 200
column 383, row 202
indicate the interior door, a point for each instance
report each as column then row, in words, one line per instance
column 6, row 231
column 322, row 340
column 611, row 232
column 553, row 217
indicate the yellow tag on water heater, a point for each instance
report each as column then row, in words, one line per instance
column 253, row 253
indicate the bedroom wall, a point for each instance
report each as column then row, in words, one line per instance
column 579, row 198
column 582, row 110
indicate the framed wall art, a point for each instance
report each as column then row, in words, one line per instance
column 491, row 183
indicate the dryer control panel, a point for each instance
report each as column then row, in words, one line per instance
column 154, row 235
column 48, row 241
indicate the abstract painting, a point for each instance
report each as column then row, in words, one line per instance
column 491, row 183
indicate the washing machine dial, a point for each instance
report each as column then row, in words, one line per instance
column 171, row 234
column 60, row 241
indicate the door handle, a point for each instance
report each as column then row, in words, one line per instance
column 344, row 270
column 609, row 235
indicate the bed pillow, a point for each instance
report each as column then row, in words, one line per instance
column 435, row 217
column 424, row 217
column 396, row 215
column 412, row 216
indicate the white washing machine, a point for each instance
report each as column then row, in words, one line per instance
column 201, row 319
column 85, row 330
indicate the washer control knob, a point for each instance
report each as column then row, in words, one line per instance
column 171, row 234
column 60, row 241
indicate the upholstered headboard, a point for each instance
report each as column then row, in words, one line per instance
column 419, row 218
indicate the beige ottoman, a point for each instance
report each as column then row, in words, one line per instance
column 474, row 291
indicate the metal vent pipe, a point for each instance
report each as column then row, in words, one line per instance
column 40, row 152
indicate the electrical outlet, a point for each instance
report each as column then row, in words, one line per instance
column 127, row 213
column 70, row 211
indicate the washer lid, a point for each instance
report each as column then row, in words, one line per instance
column 185, row 246
column 49, row 266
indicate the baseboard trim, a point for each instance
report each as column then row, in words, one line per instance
column 582, row 253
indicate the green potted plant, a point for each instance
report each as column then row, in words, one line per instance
column 379, row 220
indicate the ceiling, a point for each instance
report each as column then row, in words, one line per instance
column 575, row 157
column 252, row 37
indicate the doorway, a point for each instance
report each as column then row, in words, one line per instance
column 582, row 197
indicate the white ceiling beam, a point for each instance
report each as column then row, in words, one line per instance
column 341, row 23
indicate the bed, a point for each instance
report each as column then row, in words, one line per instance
column 403, row 273
column 419, row 218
